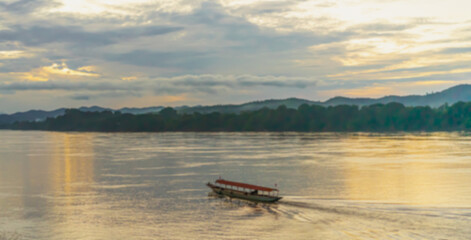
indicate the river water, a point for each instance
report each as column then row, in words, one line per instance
column 152, row 185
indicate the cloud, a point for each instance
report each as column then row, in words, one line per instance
column 53, row 72
column 209, row 80
column 205, row 40
column 64, row 86
column 384, row 27
column 188, row 60
column 153, row 91
column 80, row 97
column 27, row 6
column 456, row 50
column 270, row 7
column 178, row 84
column 14, row 54
column 248, row 36
column 77, row 35
column 99, row 95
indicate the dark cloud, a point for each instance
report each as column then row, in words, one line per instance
column 223, row 43
column 456, row 50
column 237, row 42
column 104, row 94
column 27, row 6
column 243, row 81
column 68, row 86
column 204, row 81
column 23, row 64
column 175, row 90
column 80, row 97
column 182, row 84
column 249, row 37
column 188, row 60
column 38, row 35
column 273, row 83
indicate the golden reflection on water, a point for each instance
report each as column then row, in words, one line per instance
column 72, row 180
column 39, row 176
column 420, row 173
column 72, row 163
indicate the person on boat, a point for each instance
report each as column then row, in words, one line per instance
column 254, row 192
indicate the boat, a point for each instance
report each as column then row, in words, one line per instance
column 244, row 191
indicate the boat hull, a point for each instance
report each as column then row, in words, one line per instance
column 242, row 195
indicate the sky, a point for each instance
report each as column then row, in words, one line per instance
column 138, row 53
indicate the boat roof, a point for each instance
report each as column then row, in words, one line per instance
column 245, row 185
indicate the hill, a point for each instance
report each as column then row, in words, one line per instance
column 250, row 106
column 40, row 115
column 449, row 96
column 391, row 117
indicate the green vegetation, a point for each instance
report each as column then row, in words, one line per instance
column 307, row 118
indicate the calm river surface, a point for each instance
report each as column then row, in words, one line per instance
column 152, row 185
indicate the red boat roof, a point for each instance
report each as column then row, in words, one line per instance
column 245, row 185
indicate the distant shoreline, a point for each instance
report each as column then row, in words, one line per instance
column 248, row 132
column 391, row 117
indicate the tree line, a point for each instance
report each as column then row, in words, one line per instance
column 306, row 118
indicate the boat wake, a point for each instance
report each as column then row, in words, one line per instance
column 342, row 219
column 379, row 220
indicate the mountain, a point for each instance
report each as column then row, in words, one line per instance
column 31, row 115
column 450, row 96
column 39, row 115
column 94, row 109
column 250, row 106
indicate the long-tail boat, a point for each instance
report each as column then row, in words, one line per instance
column 244, row 191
